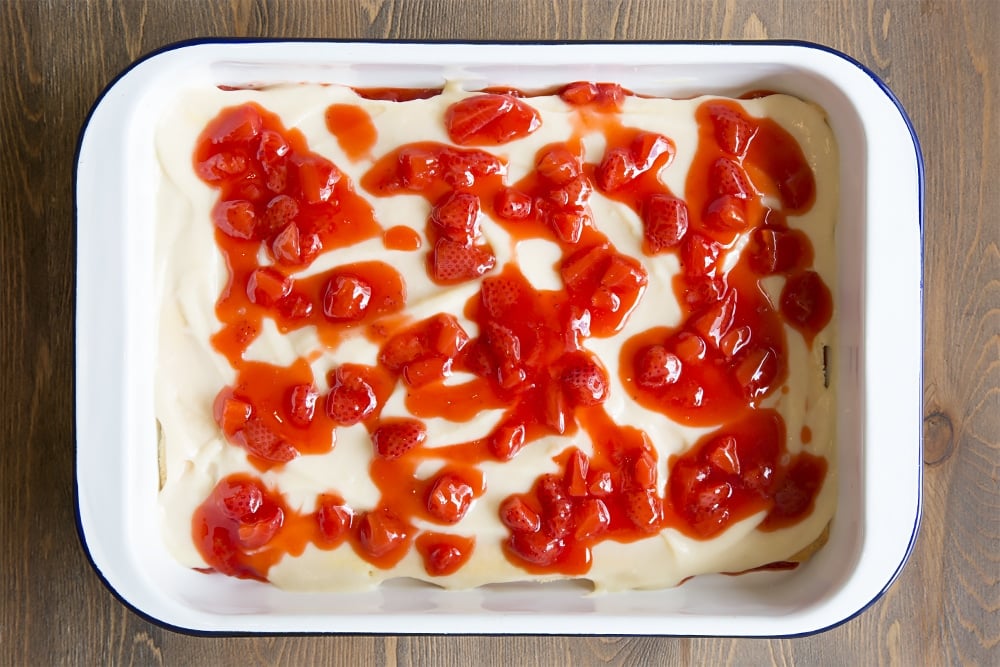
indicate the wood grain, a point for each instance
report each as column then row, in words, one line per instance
column 940, row 57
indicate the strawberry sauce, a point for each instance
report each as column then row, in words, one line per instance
column 280, row 206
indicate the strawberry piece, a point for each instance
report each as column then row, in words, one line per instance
column 715, row 321
column 806, row 302
column 333, row 517
column 490, row 119
column 395, row 437
column 583, row 266
column 302, row 404
column 223, row 165
column 733, row 130
column 267, row 286
column 700, row 255
column 449, row 498
column 727, row 212
column 499, row 295
column 272, row 147
column 756, row 371
column 642, row 472
column 616, row 170
column 574, row 194
column 644, row 509
column 351, row 398
column 424, row 371
column 258, row 439
column 579, row 93
column 443, row 559
column 295, row 306
column 279, row 213
column 457, row 217
column 262, row 530
column 234, row 415
column 665, row 222
column 235, row 218
column 506, row 441
column 576, row 474
column 241, row 499
column 346, row 298
column 380, row 531
column 734, row 341
column 318, row 179
column 776, row 250
column 518, row 516
column 417, row 168
column 505, row 349
column 585, row 383
column 461, row 169
column 601, row 484
column 690, row 347
column 454, row 262
column 723, row 455
column 591, row 518
column 647, row 147
column 536, row 548
column 445, row 335
column 559, row 165
column 237, row 125
column 568, row 224
column 512, row 204
column 725, row 177
column 657, row 367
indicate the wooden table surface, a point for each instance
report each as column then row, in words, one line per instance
column 942, row 59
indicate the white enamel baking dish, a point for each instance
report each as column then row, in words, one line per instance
column 878, row 297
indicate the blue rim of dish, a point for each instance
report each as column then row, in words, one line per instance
column 795, row 43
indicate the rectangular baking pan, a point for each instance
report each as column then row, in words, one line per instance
column 878, row 354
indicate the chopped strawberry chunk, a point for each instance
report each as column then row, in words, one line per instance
column 576, row 474
column 592, row 518
column 728, row 178
column 657, row 367
column 733, row 130
column 457, row 217
column 644, row 509
column 665, row 222
column 806, row 302
column 267, row 286
column 302, row 404
column 380, row 531
column 449, row 498
column 346, row 298
column 236, row 218
column 351, row 398
column 395, row 437
column 585, row 383
column 617, row 169
column 559, row 165
column 727, row 212
column 537, row 548
column 333, row 517
column 490, row 119
column 647, row 147
column 506, row 441
column 511, row 204
column 455, row 262
column 239, row 125
column 518, row 516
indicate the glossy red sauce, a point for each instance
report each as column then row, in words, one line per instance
column 280, row 206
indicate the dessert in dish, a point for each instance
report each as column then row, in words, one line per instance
column 476, row 337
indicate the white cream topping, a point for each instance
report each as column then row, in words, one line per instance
column 190, row 373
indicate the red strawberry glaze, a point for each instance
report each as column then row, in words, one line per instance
column 528, row 358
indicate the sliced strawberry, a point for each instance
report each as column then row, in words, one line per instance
column 616, row 170
column 351, row 398
column 585, row 383
column 346, row 298
column 657, row 367
column 518, row 516
column 302, row 404
column 733, row 130
column 449, row 498
column 456, row 216
column 512, row 204
column 454, row 262
column 725, row 177
column 267, row 286
column 665, row 222
column 559, row 165
column 380, row 531
column 506, row 441
column 591, row 518
column 490, row 119
column 236, row 218
column 395, row 437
